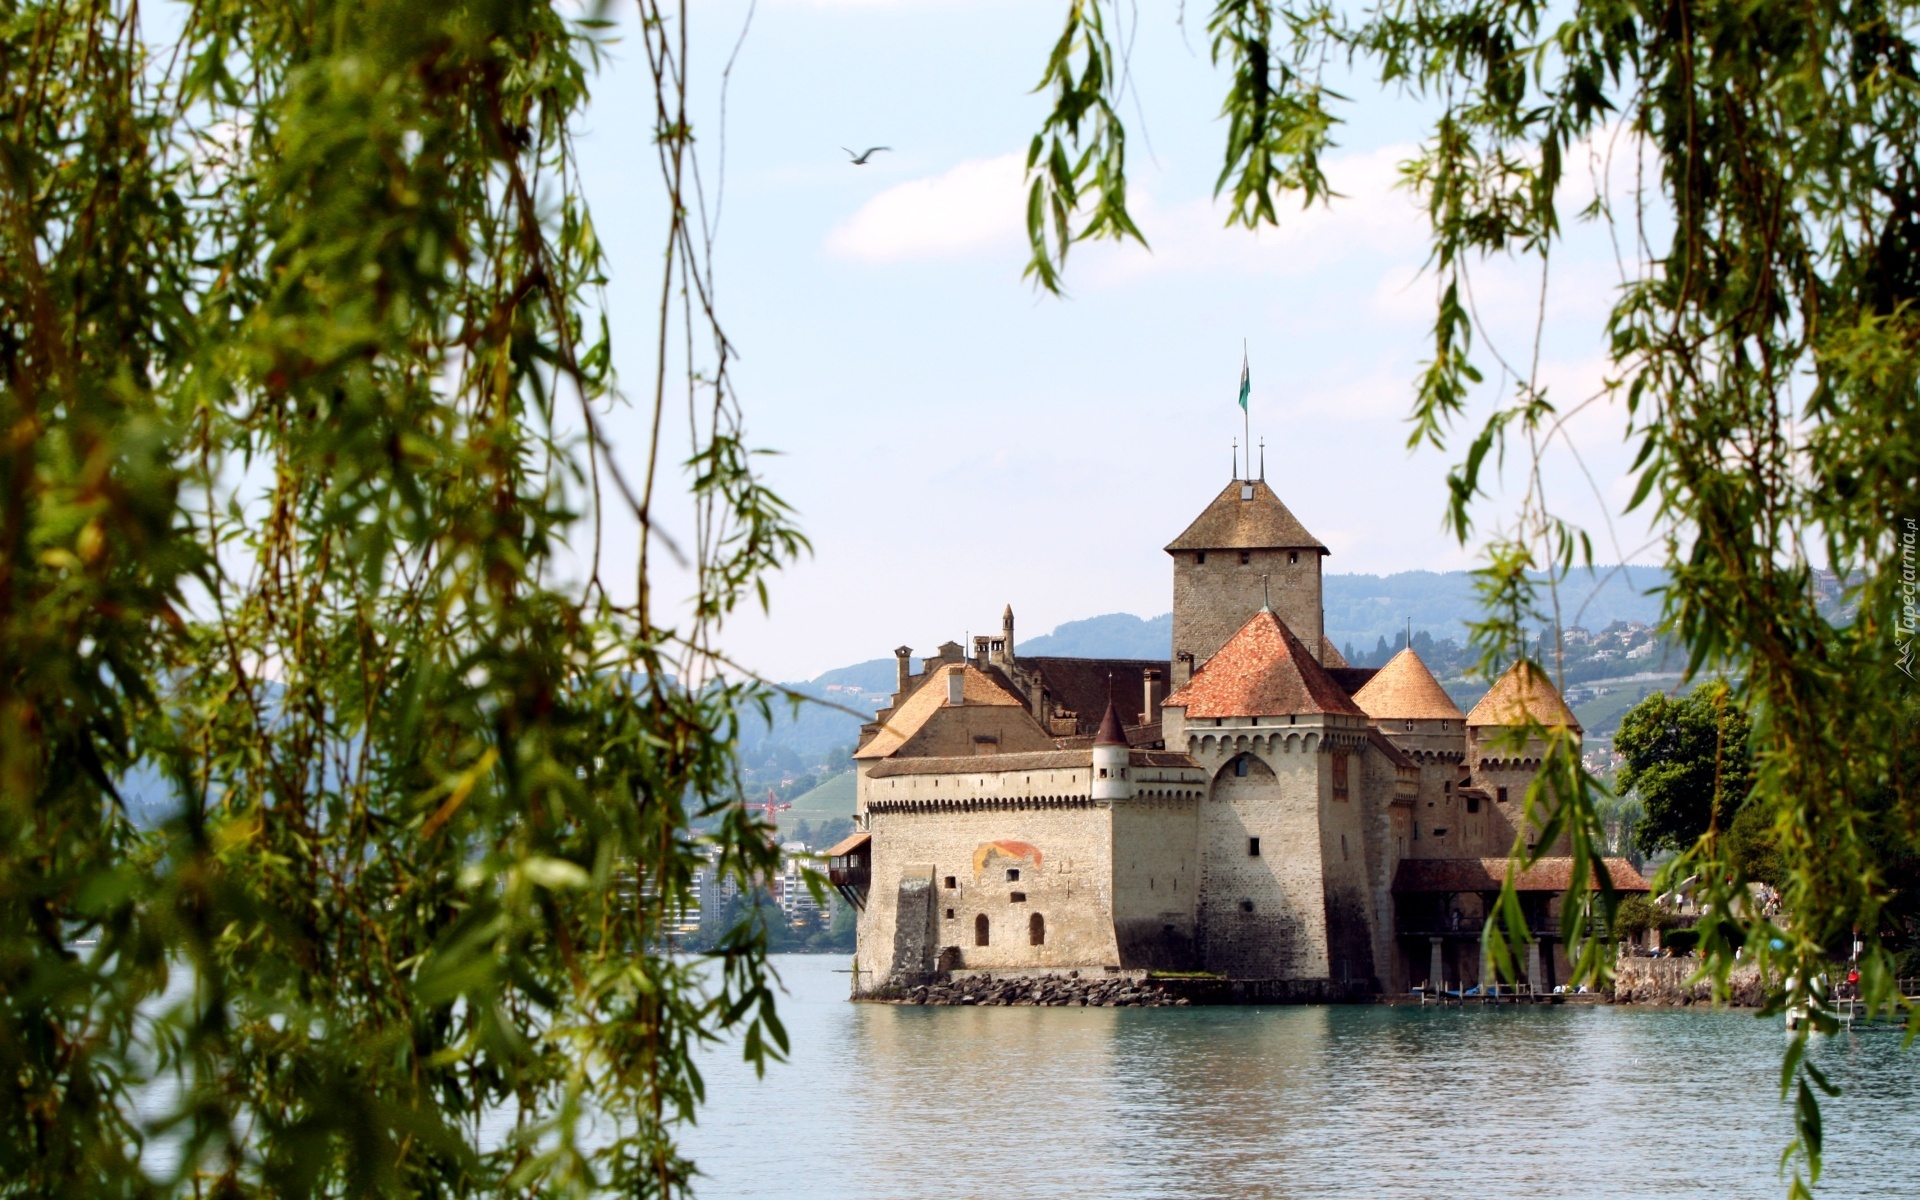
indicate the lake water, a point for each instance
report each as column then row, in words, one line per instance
column 892, row 1102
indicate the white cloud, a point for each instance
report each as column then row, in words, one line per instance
column 973, row 207
column 1370, row 215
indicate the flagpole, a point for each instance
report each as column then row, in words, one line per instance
column 1246, row 418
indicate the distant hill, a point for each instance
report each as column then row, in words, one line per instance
column 1116, row 635
column 1361, row 609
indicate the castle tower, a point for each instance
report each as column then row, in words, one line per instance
column 1448, row 819
column 1501, row 760
column 1110, row 780
column 1283, row 831
column 1240, row 554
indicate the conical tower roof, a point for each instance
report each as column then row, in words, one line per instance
column 1260, row 522
column 1263, row 670
column 1405, row 690
column 1523, row 692
column 1112, row 733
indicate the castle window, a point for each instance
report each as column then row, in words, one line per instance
column 1246, row 906
column 952, row 882
column 1199, row 556
column 1240, row 767
column 1293, row 556
column 1439, row 833
column 1339, row 774
column 1253, row 847
column 1018, row 898
column 1447, row 787
column 949, row 914
column 1103, row 772
column 1409, row 725
column 1246, row 556
column 1013, row 874
column 1343, row 847
column 1473, row 803
column 1416, row 831
column 1500, row 794
column 980, row 930
column 1036, row 930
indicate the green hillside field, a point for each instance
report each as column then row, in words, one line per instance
column 832, row 798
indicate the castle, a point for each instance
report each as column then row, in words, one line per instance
column 1252, row 807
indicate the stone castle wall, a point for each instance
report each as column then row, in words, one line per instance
column 1212, row 600
column 1061, row 854
column 1263, row 916
column 1156, row 882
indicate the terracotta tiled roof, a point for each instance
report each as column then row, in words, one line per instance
column 1258, row 523
column 1001, row 764
column 928, row 699
column 847, row 845
column 1405, row 690
column 1263, row 670
column 991, row 764
column 1487, row 874
column 1085, row 685
column 1330, row 657
column 1524, row 691
column 1111, row 733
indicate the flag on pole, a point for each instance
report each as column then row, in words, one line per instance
column 1245, row 382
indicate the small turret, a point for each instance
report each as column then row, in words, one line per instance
column 1110, row 780
column 1006, row 635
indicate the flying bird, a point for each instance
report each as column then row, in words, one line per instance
column 860, row 160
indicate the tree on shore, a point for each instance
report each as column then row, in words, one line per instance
column 302, row 376
column 1687, row 762
column 1755, row 165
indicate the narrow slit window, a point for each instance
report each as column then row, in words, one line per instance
column 1036, row 930
column 1253, row 847
column 980, row 930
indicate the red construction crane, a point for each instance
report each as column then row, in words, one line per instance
column 772, row 806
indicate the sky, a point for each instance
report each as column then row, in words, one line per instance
column 954, row 441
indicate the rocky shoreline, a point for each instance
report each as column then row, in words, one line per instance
column 1664, row 983
column 1048, row 992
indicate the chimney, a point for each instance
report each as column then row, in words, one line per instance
column 1006, row 635
column 956, row 685
column 1183, row 668
column 980, row 643
column 1150, row 697
column 903, row 671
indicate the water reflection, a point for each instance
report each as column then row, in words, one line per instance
column 1284, row 1103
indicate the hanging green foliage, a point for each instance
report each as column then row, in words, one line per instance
column 301, row 383
column 1765, row 347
